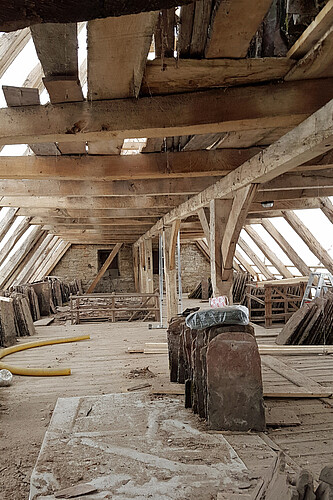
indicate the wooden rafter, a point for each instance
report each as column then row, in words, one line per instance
column 308, row 238
column 104, row 268
column 306, row 141
column 271, row 256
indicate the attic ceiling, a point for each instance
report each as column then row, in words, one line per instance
column 175, row 101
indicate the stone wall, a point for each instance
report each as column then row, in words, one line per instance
column 81, row 261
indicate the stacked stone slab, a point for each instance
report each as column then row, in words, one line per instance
column 221, row 369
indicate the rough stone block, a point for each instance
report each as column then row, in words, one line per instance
column 7, row 322
column 234, row 383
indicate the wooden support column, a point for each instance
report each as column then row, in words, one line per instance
column 203, row 214
column 227, row 218
column 135, row 251
column 149, row 266
column 219, row 211
column 142, row 268
column 104, row 268
column 308, row 238
column 170, row 272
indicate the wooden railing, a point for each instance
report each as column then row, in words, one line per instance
column 115, row 307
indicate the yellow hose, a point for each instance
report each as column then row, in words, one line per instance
column 37, row 372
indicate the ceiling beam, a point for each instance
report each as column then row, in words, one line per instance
column 48, row 11
column 233, row 26
column 113, row 167
column 112, row 213
column 236, row 108
column 95, row 203
column 308, row 140
column 189, row 75
column 107, row 188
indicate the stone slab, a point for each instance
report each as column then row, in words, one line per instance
column 133, row 446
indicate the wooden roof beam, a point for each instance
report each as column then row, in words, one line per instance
column 271, row 256
column 255, row 259
column 286, row 247
column 233, row 26
column 308, row 238
column 308, row 140
column 63, row 12
column 236, row 108
column 313, row 33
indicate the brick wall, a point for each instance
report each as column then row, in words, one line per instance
column 81, row 261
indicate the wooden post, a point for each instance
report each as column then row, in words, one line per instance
column 135, row 251
column 142, row 273
column 149, row 266
column 113, row 307
column 170, row 272
column 77, row 311
column 104, row 268
column 219, row 210
column 226, row 221
column 268, row 306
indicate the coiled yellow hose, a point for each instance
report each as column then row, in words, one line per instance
column 37, row 372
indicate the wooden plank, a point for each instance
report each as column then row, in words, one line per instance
column 200, row 27
column 271, row 256
column 140, row 166
column 104, row 268
column 44, row 321
column 11, row 45
column 237, row 108
column 7, row 221
column 186, row 75
column 308, row 238
column 292, row 375
column 313, row 33
column 60, row 250
column 286, row 247
column 300, row 180
column 306, row 141
column 231, row 30
column 201, row 141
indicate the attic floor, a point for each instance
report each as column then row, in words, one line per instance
column 102, row 365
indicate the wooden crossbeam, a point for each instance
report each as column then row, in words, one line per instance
column 112, row 167
column 308, row 140
column 61, row 188
column 93, row 202
column 236, row 108
column 98, row 221
column 104, row 268
column 112, row 213
column 188, row 75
